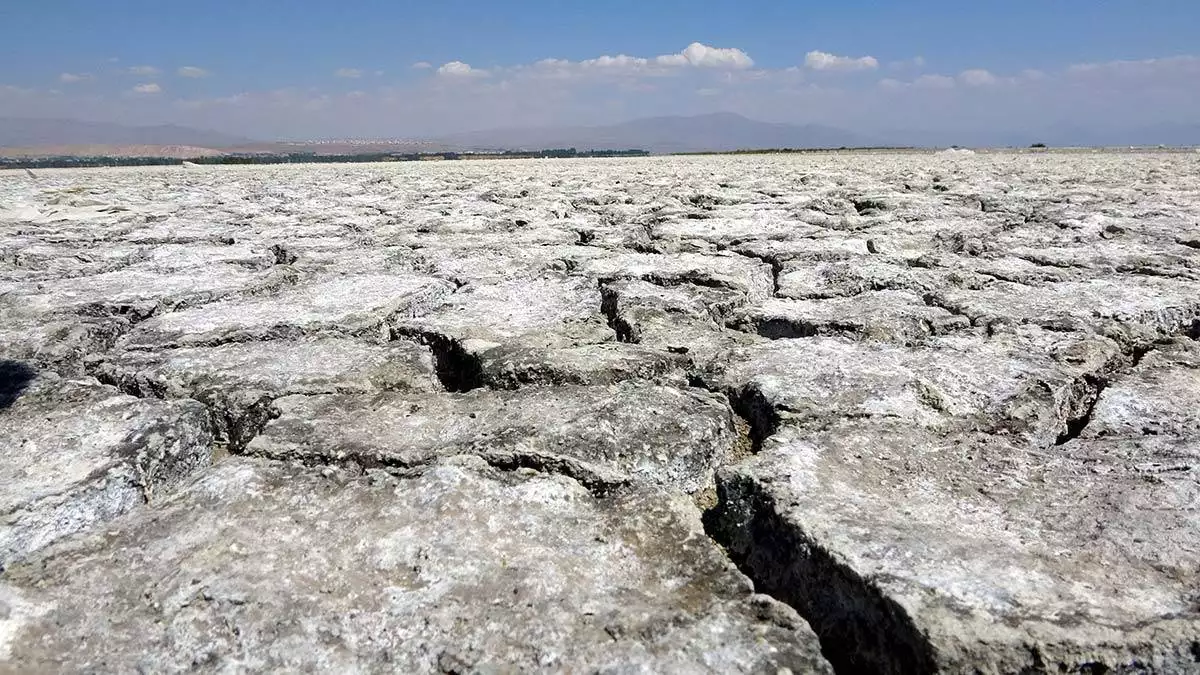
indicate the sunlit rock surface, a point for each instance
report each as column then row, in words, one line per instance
column 853, row 412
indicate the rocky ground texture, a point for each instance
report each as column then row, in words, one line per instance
column 854, row 413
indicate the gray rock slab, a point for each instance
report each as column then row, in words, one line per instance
column 1031, row 384
column 459, row 569
column 892, row 316
column 140, row 292
column 545, row 311
column 909, row 551
column 813, row 280
column 602, row 364
column 743, row 275
column 1160, row 397
column 59, row 343
column 238, row 381
column 683, row 319
column 1159, row 305
column 603, row 436
column 75, row 453
column 351, row 305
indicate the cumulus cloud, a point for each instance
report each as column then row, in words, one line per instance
column 71, row 78
column 350, row 73
column 618, row 62
column 460, row 69
column 695, row 55
column 977, row 77
column 148, row 88
column 192, row 71
column 703, row 56
column 145, row 71
column 422, row 65
column 818, row 60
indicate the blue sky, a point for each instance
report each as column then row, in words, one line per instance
column 284, row 69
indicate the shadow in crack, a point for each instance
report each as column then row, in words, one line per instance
column 15, row 376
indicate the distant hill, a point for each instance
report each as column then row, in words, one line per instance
column 715, row 132
column 22, row 132
column 105, row 150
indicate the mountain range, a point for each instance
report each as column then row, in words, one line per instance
column 711, row 132
column 25, row 132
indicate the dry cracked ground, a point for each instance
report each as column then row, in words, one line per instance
column 891, row 413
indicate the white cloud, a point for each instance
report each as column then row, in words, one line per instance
column 703, row 56
column 695, row 55
column 145, row 71
column 351, row 73
column 71, row 78
column 708, row 91
column 977, row 77
column 148, row 88
column 460, row 69
column 817, row 60
column 192, row 71
column 618, row 62
column 422, row 65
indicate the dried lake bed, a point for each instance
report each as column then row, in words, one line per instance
column 852, row 412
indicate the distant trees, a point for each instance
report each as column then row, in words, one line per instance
column 1038, row 145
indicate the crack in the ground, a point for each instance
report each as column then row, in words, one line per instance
column 610, row 307
column 457, row 369
column 861, row 630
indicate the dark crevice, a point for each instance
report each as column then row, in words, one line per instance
column 1095, row 386
column 610, row 307
column 457, row 370
column 750, row 406
column 775, row 263
column 597, row 486
column 935, row 300
column 861, row 630
column 1091, row 387
column 689, row 278
column 775, row 328
column 15, row 377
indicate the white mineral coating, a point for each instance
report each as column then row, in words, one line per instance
column 75, row 454
column 601, row 435
column 351, row 305
column 461, row 568
column 967, row 381
column 239, row 381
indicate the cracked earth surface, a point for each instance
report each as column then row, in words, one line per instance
column 869, row 412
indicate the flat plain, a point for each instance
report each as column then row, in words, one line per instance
column 852, row 412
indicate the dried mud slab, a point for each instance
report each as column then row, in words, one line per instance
column 76, row 454
column 602, row 436
column 259, row 566
column 942, row 405
column 239, row 381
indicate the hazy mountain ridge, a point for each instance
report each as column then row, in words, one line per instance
column 31, row 132
column 699, row 133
